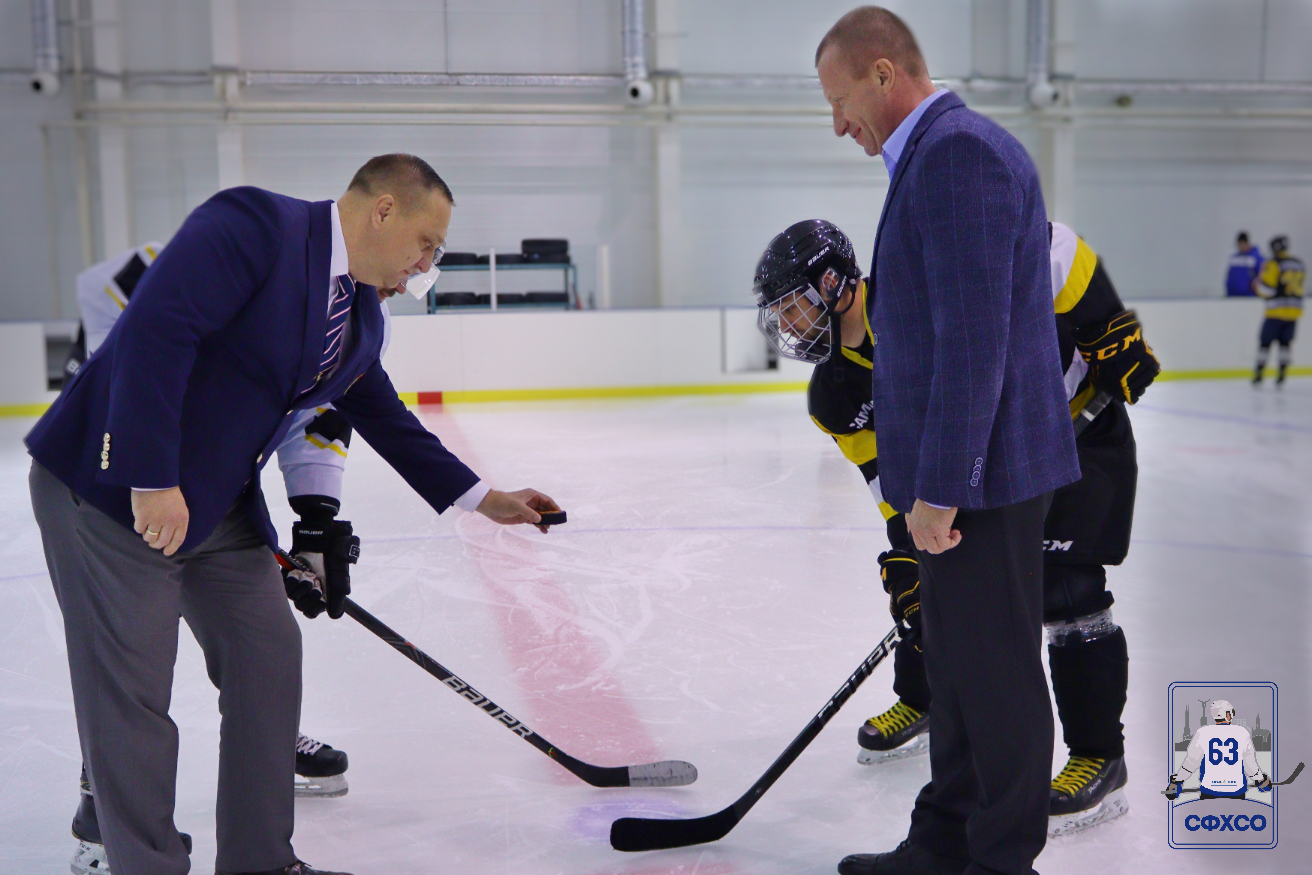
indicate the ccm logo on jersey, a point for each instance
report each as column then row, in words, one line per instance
column 1058, row 546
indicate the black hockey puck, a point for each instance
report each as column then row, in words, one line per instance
column 551, row 517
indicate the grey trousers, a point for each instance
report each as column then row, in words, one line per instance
column 121, row 601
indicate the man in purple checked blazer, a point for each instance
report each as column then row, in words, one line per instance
column 974, row 436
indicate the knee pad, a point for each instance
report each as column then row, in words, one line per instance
column 1072, row 591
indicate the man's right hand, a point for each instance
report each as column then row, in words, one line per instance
column 931, row 527
column 161, row 517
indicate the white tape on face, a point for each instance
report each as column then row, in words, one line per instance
column 419, row 284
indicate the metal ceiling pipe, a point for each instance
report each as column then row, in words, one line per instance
column 1040, row 91
column 637, row 88
column 439, row 80
column 45, row 48
column 1196, row 86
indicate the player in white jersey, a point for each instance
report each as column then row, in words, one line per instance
column 1224, row 757
column 312, row 459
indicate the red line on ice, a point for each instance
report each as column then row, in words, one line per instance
column 552, row 652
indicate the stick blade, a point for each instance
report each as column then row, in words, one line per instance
column 643, row 834
column 666, row 773
column 1291, row 778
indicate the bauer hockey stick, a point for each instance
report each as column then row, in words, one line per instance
column 667, row 773
column 1085, row 417
column 643, row 834
column 1297, row 769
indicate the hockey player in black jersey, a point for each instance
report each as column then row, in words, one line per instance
column 811, row 296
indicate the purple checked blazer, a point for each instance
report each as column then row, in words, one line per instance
column 967, row 384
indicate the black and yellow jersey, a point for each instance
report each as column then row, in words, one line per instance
column 1082, row 295
column 1281, row 283
column 841, row 408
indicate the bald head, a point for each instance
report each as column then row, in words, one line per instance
column 868, row 33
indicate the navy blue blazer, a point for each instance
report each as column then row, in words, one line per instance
column 196, row 384
column 967, row 384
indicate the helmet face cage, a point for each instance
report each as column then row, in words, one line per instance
column 797, row 323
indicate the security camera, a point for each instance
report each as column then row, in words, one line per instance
column 1043, row 95
column 45, row 83
column 639, row 92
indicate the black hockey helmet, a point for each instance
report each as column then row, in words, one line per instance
column 1279, row 243
column 811, row 260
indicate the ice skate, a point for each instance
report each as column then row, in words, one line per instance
column 297, row 868
column 1087, row 792
column 89, row 858
column 320, row 769
column 898, row 733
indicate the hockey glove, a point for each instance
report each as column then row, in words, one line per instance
column 1120, row 363
column 1263, row 784
column 1173, row 785
column 900, row 573
column 330, row 549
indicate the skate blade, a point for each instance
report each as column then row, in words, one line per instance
column 89, row 859
column 321, row 788
column 913, row 748
column 1113, row 805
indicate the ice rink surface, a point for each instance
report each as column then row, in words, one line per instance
column 714, row 586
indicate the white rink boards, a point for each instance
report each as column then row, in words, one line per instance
column 715, row 584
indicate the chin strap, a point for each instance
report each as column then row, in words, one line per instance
column 836, row 333
column 836, row 348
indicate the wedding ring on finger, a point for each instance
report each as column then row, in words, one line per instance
column 152, row 534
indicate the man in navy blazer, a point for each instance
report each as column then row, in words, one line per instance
column 146, row 486
column 974, row 436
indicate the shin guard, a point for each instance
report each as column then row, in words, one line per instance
column 1089, row 681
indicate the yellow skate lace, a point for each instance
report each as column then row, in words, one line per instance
column 1078, row 772
column 899, row 717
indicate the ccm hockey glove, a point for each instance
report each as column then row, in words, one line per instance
column 1120, row 363
column 330, row 548
column 900, row 573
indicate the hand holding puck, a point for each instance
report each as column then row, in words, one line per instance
column 552, row 517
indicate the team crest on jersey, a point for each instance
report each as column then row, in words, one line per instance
column 1219, row 761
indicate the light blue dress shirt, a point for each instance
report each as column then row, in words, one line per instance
column 897, row 141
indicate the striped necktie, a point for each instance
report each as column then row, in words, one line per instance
column 339, row 309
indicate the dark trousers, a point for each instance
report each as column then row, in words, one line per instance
column 121, row 601
column 991, row 722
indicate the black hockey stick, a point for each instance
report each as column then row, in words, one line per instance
column 1085, row 417
column 667, row 773
column 643, row 834
column 1297, row 769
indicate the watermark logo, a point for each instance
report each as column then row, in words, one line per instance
column 1222, row 742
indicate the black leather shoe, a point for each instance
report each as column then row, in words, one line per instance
column 297, row 868
column 906, row 859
